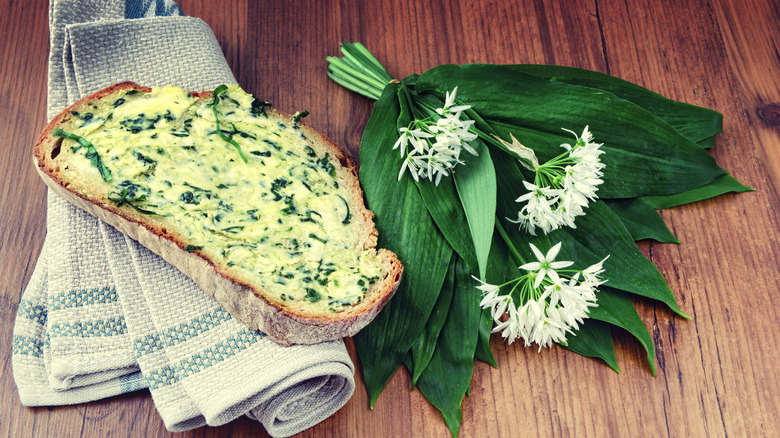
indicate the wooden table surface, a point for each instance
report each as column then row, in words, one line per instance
column 717, row 373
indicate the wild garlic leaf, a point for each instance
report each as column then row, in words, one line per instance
column 722, row 185
column 644, row 155
column 444, row 207
column 447, row 377
column 641, row 220
column 423, row 349
column 594, row 339
column 476, row 185
column 406, row 228
column 616, row 308
column 699, row 125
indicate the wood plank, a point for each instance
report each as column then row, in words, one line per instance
column 682, row 54
column 716, row 377
column 22, row 195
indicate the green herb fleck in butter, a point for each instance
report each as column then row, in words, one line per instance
column 280, row 219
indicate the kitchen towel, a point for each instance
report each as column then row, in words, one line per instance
column 102, row 315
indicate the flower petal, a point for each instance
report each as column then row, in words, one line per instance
column 553, row 252
column 537, row 253
column 532, row 266
column 553, row 276
column 539, row 278
column 560, row 265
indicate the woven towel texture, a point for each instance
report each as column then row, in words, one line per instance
column 103, row 315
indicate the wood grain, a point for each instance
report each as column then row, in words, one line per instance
column 717, row 372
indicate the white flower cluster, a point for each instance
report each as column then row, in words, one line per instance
column 562, row 186
column 431, row 150
column 551, row 303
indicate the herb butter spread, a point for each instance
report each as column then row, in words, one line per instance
column 253, row 195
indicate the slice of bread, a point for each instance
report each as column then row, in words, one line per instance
column 260, row 210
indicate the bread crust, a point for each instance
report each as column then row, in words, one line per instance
column 246, row 302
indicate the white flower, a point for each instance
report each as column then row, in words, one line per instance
column 436, row 146
column 448, row 107
column 412, row 136
column 591, row 274
column 549, row 310
column 562, row 187
column 486, row 288
column 492, row 300
column 539, row 212
column 510, row 328
column 403, row 141
column 546, row 264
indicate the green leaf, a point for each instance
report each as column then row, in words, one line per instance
column 423, row 348
column 405, row 228
column 447, row 378
column 616, row 308
column 700, row 125
column 644, row 155
column 705, row 143
column 476, row 185
column 722, row 185
column 600, row 233
column 443, row 206
column 594, row 339
column 483, row 351
column 641, row 220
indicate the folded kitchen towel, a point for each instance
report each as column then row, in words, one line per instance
column 103, row 315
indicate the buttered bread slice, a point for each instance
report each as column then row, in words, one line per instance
column 259, row 209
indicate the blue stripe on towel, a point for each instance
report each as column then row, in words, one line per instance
column 207, row 358
column 26, row 345
column 151, row 8
column 180, row 333
column 83, row 297
column 31, row 311
column 86, row 329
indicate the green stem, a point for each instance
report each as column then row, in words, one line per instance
column 516, row 282
column 355, row 85
column 362, row 52
column 519, row 258
column 345, row 69
column 122, row 198
column 358, row 71
column 412, row 99
column 366, row 70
